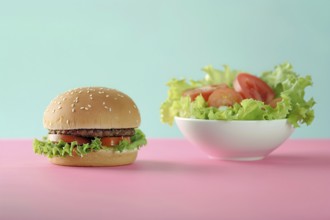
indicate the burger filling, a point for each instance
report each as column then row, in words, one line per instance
column 82, row 141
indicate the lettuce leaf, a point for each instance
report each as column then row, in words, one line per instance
column 248, row 109
column 63, row 149
column 291, row 88
column 287, row 85
column 215, row 76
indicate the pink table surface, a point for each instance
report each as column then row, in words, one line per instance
column 171, row 179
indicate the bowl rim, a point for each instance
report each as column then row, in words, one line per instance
column 231, row 121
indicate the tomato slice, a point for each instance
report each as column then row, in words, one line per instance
column 68, row 138
column 113, row 141
column 224, row 97
column 205, row 91
column 250, row 86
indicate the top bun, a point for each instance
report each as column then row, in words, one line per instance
column 91, row 108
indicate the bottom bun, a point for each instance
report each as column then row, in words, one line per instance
column 101, row 158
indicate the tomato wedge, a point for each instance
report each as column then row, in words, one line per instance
column 250, row 86
column 205, row 91
column 224, row 97
column 113, row 141
column 68, row 138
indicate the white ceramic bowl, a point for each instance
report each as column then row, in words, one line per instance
column 235, row 140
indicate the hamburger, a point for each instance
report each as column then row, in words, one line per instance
column 91, row 126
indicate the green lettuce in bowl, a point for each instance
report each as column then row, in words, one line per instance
column 284, row 81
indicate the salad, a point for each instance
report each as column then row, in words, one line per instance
column 235, row 95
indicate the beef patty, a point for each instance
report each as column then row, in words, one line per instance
column 96, row 132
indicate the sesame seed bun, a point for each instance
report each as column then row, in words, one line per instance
column 97, row 159
column 91, row 108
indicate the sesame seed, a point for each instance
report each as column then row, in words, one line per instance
column 71, row 93
column 59, row 103
column 59, row 107
column 103, row 103
column 107, row 96
column 101, row 92
column 72, row 105
column 79, row 91
column 73, row 110
column 106, row 107
column 82, row 107
column 87, row 91
column 86, row 108
column 109, row 109
column 134, row 106
column 129, row 112
column 89, row 106
column 91, row 98
column 67, row 121
column 53, row 111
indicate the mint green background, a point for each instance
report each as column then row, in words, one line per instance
column 47, row 47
